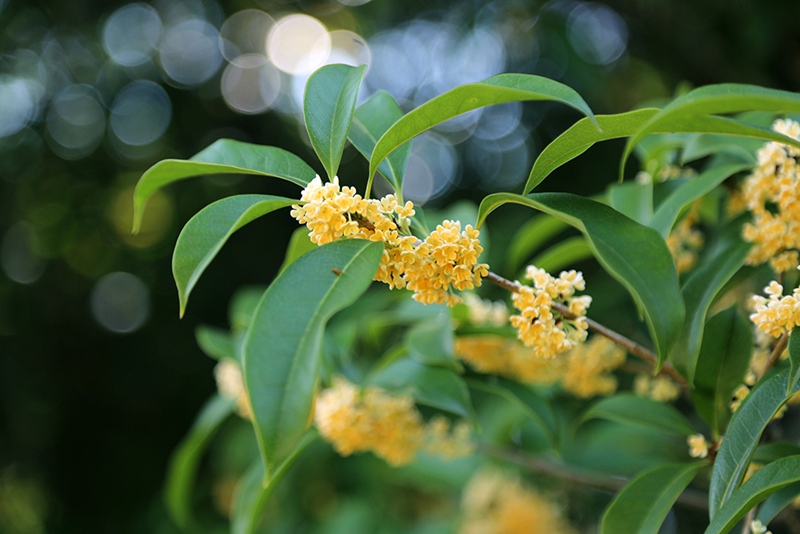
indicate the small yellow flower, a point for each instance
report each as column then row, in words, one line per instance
column 777, row 314
column 230, row 384
column 698, row 446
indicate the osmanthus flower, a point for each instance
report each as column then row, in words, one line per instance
column 757, row 527
column 444, row 261
column 685, row 241
column 772, row 193
column 230, row 384
column 389, row 425
column 777, row 314
column 485, row 312
column 659, row 388
column 496, row 503
column 588, row 366
column 698, row 446
column 542, row 327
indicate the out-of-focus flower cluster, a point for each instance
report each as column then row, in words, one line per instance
column 698, row 446
column 542, row 327
column 485, row 312
column 583, row 371
column 447, row 259
column 495, row 503
column 356, row 420
column 659, row 388
column 777, row 314
column 772, row 193
column 230, row 384
column 685, row 241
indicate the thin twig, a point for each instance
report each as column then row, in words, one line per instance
column 748, row 520
column 780, row 346
column 575, row 475
column 631, row 346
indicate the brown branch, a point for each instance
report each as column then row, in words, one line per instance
column 631, row 346
column 777, row 350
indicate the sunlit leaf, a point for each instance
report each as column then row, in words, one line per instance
column 328, row 107
column 641, row 412
column 644, row 503
column 206, row 233
column 222, row 157
column 495, row 90
column 633, row 254
column 283, row 343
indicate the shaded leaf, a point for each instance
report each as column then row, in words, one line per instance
column 206, row 233
column 635, row 255
column 298, row 245
column 328, row 107
column 533, row 234
column 634, row 200
column 283, row 343
column 776, row 502
column 215, row 342
column 563, row 254
column 642, row 412
column 431, row 343
column 222, row 157
column 794, row 358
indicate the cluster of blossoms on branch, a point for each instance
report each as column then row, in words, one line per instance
column 432, row 268
column 372, row 419
column 777, row 314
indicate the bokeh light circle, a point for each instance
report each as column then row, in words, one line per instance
column 18, row 256
column 245, row 32
column 190, row 52
column 140, row 113
column 17, row 104
column 597, row 33
column 250, row 84
column 76, row 121
column 120, row 302
column 131, row 34
column 298, row 44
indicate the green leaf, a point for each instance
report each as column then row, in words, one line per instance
column 283, row 343
column 769, row 452
column 641, row 412
column 693, row 112
column 255, row 489
column 184, row 462
column 794, row 358
column 743, row 149
column 437, row 387
column 563, row 254
column 298, row 245
column 766, row 481
column 431, row 343
column 633, row 200
column 580, row 137
column 215, row 343
column 495, row 90
column 644, row 503
column 533, row 234
column 668, row 211
column 741, row 439
column 633, row 254
column 328, row 108
column 243, row 306
column 708, row 279
column 222, row 157
column 371, row 121
column 721, row 366
column 205, row 234
column 776, row 502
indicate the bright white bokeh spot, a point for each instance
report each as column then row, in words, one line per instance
column 245, row 32
column 76, row 121
column 597, row 33
column 498, row 121
column 18, row 104
column 251, row 84
column 349, row 48
column 190, row 52
column 18, row 255
column 131, row 34
column 140, row 113
column 298, row 44
column 120, row 302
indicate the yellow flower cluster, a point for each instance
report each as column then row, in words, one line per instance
column 779, row 313
column 541, row 327
column 772, row 193
column 685, row 241
column 698, row 446
column 495, row 503
column 230, row 384
column 739, row 394
column 390, row 426
column 447, row 259
column 584, row 371
column 659, row 388
column 483, row 312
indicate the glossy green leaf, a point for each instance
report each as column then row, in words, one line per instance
column 185, row 461
column 437, row 387
column 580, row 137
column 743, row 435
column 215, row 343
column 699, row 291
column 328, row 108
column 644, row 503
column 255, row 489
column 205, row 234
column 692, row 113
column 794, row 358
column 530, row 237
column 563, row 254
column 634, row 200
column 742, row 149
column 222, row 157
column 668, row 211
column 635, row 255
column 431, row 343
column 776, row 502
column 721, row 366
column 283, row 343
column 769, row 452
column 371, row 121
column 495, row 90
column 766, row 481
column 298, row 245
column 641, row 412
